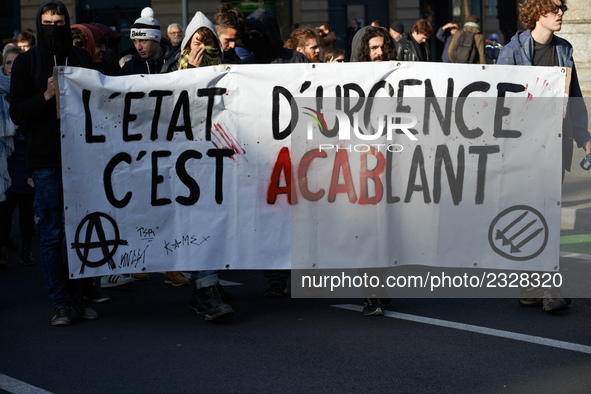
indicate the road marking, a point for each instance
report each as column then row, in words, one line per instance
column 478, row 329
column 16, row 386
column 573, row 255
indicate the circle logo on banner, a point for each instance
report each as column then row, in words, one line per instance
column 518, row 233
column 101, row 240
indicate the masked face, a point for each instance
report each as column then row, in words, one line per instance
column 57, row 36
column 211, row 56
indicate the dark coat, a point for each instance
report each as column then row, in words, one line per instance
column 36, row 117
column 138, row 65
column 268, row 49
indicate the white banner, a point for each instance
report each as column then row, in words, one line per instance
column 192, row 170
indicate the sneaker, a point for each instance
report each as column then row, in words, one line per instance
column 83, row 310
column 208, row 302
column 372, row 307
column 276, row 290
column 385, row 301
column 115, row 280
column 553, row 301
column 27, row 257
column 175, row 278
column 141, row 276
column 62, row 317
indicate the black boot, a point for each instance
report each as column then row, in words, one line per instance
column 207, row 302
column 26, row 256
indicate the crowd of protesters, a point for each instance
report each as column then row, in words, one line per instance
column 30, row 158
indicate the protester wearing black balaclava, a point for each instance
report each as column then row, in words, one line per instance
column 33, row 107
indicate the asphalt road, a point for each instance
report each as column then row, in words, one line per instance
column 146, row 341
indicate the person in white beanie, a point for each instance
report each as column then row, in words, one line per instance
column 152, row 52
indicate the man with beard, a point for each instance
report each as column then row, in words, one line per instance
column 175, row 34
column 372, row 44
column 33, row 108
column 305, row 40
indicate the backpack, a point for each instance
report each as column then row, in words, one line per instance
column 465, row 50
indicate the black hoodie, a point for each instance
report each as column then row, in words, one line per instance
column 154, row 65
column 268, row 49
column 28, row 108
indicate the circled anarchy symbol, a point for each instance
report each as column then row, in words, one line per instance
column 94, row 225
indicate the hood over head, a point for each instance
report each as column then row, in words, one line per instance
column 90, row 41
column 199, row 21
column 265, row 21
column 356, row 43
column 54, row 39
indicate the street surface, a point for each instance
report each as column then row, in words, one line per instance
column 146, row 341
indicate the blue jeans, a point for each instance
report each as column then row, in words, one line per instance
column 49, row 201
column 202, row 279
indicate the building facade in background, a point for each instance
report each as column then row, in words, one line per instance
column 496, row 16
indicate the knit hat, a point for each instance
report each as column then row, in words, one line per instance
column 113, row 38
column 398, row 27
column 146, row 27
column 97, row 34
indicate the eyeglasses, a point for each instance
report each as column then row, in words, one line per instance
column 559, row 8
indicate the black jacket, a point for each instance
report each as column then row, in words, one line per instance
column 138, row 65
column 268, row 49
column 406, row 51
column 36, row 117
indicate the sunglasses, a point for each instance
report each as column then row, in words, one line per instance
column 559, row 8
column 80, row 43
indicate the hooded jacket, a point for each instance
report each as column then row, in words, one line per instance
column 198, row 21
column 28, row 108
column 269, row 49
column 90, row 41
column 520, row 51
column 356, row 42
column 154, row 65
